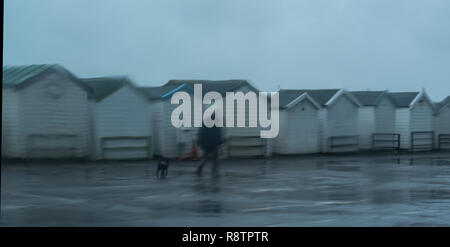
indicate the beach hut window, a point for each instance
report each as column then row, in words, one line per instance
column 54, row 90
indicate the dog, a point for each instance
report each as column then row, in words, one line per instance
column 163, row 167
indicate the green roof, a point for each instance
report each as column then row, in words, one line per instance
column 369, row 98
column 443, row 103
column 105, row 86
column 403, row 99
column 158, row 92
column 187, row 85
column 220, row 86
column 22, row 75
column 321, row 96
column 16, row 75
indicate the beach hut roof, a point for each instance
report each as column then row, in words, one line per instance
column 220, row 86
column 19, row 76
column 16, row 75
column 162, row 92
column 369, row 98
column 439, row 105
column 321, row 96
column 105, row 86
column 403, row 99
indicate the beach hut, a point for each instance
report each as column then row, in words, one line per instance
column 122, row 126
column 299, row 124
column 338, row 118
column 240, row 141
column 376, row 120
column 45, row 113
column 414, row 120
column 442, row 126
column 168, row 141
column 173, row 142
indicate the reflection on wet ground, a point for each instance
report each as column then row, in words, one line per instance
column 334, row 191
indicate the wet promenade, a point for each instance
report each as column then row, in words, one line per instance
column 375, row 190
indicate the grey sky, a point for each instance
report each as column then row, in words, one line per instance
column 355, row 44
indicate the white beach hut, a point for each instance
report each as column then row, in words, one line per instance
column 240, row 141
column 414, row 120
column 45, row 113
column 442, row 123
column 122, row 126
column 168, row 141
column 172, row 142
column 376, row 120
column 299, row 124
column 338, row 118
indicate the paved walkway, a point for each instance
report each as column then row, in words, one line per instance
column 359, row 190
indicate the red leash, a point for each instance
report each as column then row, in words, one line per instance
column 193, row 154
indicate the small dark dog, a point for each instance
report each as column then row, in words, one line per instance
column 163, row 167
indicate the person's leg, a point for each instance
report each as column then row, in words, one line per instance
column 158, row 170
column 202, row 164
column 164, row 172
column 215, row 157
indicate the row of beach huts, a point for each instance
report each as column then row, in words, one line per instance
column 48, row 112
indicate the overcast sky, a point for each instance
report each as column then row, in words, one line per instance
column 400, row 45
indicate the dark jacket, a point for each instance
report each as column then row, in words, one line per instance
column 209, row 138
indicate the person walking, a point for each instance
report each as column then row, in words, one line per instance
column 209, row 139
